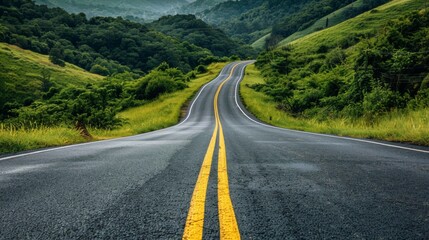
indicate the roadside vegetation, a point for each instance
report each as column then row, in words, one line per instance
column 411, row 126
column 366, row 77
column 72, row 79
column 54, row 129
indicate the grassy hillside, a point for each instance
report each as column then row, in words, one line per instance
column 252, row 19
column 260, row 43
column 411, row 126
column 162, row 112
column 313, row 17
column 333, row 19
column 365, row 73
column 21, row 74
column 367, row 23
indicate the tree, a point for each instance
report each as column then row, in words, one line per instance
column 97, row 69
column 56, row 55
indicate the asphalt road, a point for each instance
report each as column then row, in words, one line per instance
column 281, row 184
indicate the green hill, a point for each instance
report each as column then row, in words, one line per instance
column 249, row 20
column 23, row 72
column 313, row 17
column 331, row 20
column 146, row 9
column 195, row 31
column 199, row 6
column 363, row 74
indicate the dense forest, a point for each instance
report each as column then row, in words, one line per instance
column 141, row 64
column 359, row 76
column 195, row 31
column 104, row 44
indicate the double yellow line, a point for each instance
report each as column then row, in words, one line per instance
column 227, row 222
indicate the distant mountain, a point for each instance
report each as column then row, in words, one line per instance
column 195, row 31
column 146, row 9
column 199, row 6
column 249, row 20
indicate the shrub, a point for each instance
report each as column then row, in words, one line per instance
column 381, row 100
column 201, row 69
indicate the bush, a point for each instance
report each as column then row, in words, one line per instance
column 381, row 100
column 158, row 86
column 161, row 80
column 201, row 69
column 97, row 69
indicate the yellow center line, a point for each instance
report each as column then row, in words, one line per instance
column 227, row 222
column 195, row 220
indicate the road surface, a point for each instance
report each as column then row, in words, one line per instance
column 218, row 174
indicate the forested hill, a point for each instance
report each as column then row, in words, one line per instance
column 360, row 70
column 251, row 19
column 114, row 44
column 146, row 9
column 199, row 6
column 195, row 31
column 314, row 11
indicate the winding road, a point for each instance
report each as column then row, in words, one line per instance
column 220, row 173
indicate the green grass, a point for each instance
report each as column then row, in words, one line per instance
column 334, row 19
column 15, row 140
column 160, row 113
column 260, row 43
column 399, row 126
column 368, row 23
column 21, row 73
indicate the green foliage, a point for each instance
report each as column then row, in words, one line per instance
column 161, row 80
column 376, row 75
column 159, row 113
column 97, row 69
column 381, row 100
column 56, row 55
column 195, row 31
column 312, row 12
column 250, row 20
column 403, row 125
column 96, row 107
column 113, row 43
column 26, row 75
column 201, row 69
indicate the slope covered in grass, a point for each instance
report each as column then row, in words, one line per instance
column 365, row 25
column 22, row 73
column 333, row 19
column 369, row 73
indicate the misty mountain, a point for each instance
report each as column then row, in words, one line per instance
column 199, row 6
column 146, row 9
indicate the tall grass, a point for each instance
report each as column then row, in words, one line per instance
column 400, row 126
column 18, row 139
column 161, row 113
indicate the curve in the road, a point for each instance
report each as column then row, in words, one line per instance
column 284, row 184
